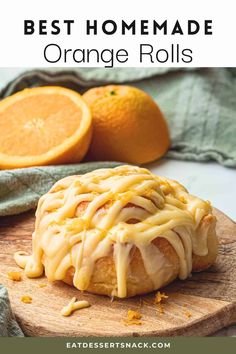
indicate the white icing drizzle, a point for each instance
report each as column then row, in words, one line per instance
column 84, row 218
column 74, row 305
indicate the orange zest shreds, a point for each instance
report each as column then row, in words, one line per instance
column 134, row 315
column 187, row 314
column 133, row 318
column 16, row 276
column 159, row 297
column 182, row 199
column 26, row 299
column 160, row 308
column 133, row 322
column 167, row 190
column 42, row 285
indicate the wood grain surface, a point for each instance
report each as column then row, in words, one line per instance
column 198, row 306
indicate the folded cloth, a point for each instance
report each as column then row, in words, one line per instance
column 21, row 188
column 199, row 104
column 8, row 324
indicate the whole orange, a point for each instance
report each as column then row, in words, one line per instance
column 128, row 125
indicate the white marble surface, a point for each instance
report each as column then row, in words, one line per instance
column 209, row 181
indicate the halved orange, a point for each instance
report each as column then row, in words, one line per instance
column 42, row 126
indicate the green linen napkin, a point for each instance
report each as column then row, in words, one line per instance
column 8, row 324
column 200, row 107
column 20, row 189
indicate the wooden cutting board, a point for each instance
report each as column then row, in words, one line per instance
column 195, row 307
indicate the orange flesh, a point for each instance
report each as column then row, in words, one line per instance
column 41, row 122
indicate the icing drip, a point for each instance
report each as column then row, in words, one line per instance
column 74, row 305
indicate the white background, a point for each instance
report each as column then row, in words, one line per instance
column 214, row 50
column 209, row 181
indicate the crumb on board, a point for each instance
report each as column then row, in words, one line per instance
column 158, row 300
column 160, row 308
column 187, row 314
column 74, row 305
column 159, row 297
column 42, row 285
column 131, row 315
column 133, row 318
column 26, row 299
column 15, row 276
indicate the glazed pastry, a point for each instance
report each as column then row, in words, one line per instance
column 120, row 232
